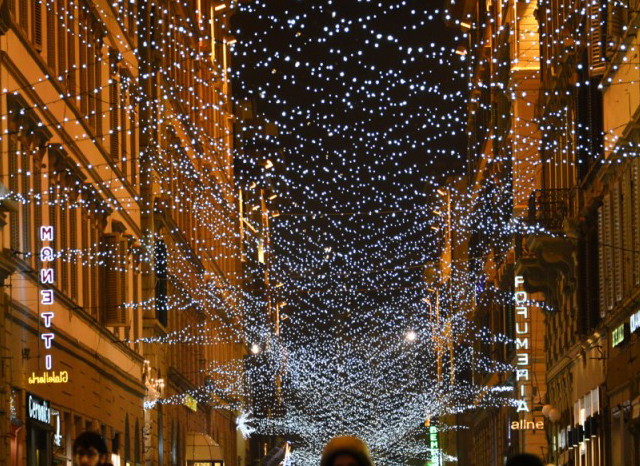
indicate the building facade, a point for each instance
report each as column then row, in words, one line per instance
column 118, row 232
column 577, row 253
column 500, row 45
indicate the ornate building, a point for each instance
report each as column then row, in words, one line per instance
column 119, row 230
column 578, row 257
column 500, row 46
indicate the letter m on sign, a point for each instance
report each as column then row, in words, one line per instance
column 46, row 233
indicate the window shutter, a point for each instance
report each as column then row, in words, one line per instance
column 113, row 122
column 627, row 231
column 51, row 34
column 13, row 187
column 608, row 252
column 96, row 57
column 24, row 15
column 602, row 263
column 112, row 289
column 595, row 36
column 72, row 34
column 133, row 153
column 618, row 265
column 615, row 23
column 26, row 206
column 61, row 21
column 635, row 213
column 37, row 24
column 82, row 63
column 124, row 122
column 73, row 250
column 63, row 242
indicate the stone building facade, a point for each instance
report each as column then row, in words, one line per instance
column 578, row 256
column 118, row 229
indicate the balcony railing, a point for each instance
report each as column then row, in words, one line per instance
column 548, row 208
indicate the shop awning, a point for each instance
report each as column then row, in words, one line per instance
column 201, row 447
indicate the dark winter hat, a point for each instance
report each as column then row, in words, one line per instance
column 346, row 445
column 524, row 459
column 88, row 440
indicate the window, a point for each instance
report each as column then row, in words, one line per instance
column 161, row 282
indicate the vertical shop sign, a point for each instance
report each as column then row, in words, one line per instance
column 47, row 299
column 523, row 363
column 434, row 448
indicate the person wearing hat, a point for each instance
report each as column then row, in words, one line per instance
column 346, row 451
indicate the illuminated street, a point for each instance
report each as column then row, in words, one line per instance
column 319, row 233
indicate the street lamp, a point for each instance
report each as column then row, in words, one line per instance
column 411, row 335
column 255, row 349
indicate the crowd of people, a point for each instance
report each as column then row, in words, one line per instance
column 90, row 449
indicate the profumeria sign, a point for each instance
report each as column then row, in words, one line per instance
column 523, row 336
column 47, row 299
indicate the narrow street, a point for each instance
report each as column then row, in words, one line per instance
column 319, row 233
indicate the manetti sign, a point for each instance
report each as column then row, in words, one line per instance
column 523, row 343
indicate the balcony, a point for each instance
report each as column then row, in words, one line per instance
column 548, row 208
column 548, row 265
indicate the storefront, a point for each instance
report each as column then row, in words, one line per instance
column 39, row 431
column 623, row 382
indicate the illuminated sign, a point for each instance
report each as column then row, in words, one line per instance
column 522, row 344
column 190, row 402
column 617, row 336
column 47, row 299
column 635, row 322
column 527, row 425
column 49, row 377
column 38, row 409
column 57, row 436
column 433, row 446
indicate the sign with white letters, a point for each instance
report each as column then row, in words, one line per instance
column 47, row 299
column 38, row 409
column 522, row 336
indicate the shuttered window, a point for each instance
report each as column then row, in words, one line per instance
column 72, row 35
column 13, row 187
column 73, row 251
column 53, row 209
column 98, row 85
column 113, row 250
column 62, row 22
column 64, row 235
column 85, row 257
column 26, row 204
column 595, row 37
column 616, row 18
column 37, row 190
column 617, row 241
column 82, row 65
column 125, row 124
column 37, row 24
column 635, row 206
column 114, row 132
column 23, row 18
column 627, row 235
column 93, row 270
column 608, row 253
column 133, row 154
column 51, row 34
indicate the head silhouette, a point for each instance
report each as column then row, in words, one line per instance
column 524, row 459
